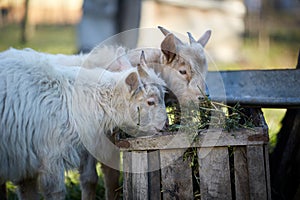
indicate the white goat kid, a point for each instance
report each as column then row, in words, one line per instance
column 48, row 110
column 182, row 66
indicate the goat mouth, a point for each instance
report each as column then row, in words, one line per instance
column 158, row 129
column 164, row 128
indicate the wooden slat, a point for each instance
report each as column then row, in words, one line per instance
column 214, row 173
column 207, row 138
column 154, row 175
column 176, row 175
column 127, row 176
column 139, row 175
column 257, row 176
column 266, row 154
column 241, row 174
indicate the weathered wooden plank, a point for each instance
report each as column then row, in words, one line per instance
column 176, row 175
column 241, row 174
column 257, row 175
column 267, row 169
column 207, row 138
column 214, row 173
column 139, row 175
column 127, row 176
column 154, row 175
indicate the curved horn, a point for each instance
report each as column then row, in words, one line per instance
column 143, row 59
column 191, row 38
column 142, row 66
column 163, row 30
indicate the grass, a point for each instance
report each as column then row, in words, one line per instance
column 273, row 118
column 208, row 114
column 279, row 50
column 46, row 38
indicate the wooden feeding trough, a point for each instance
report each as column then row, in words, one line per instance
column 214, row 164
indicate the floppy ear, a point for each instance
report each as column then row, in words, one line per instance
column 169, row 47
column 132, row 81
column 204, row 38
column 141, row 67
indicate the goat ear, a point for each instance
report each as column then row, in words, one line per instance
column 132, row 80
column 204, row 38
column 141, row 67
column 163, row 30
column 169, row 47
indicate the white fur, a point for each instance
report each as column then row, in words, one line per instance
column 48, row 110
column 189, row 57
column 189, row 87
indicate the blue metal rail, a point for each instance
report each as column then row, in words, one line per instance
column 258, row 88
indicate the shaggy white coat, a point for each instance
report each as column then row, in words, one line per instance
column 48, row 110
column 174, row 58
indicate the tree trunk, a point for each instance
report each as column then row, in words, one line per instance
column 24, row 23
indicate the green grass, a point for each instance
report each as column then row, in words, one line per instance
column 277, row 55
column 273, row 118
column 46, row 38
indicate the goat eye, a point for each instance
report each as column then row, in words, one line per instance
column 151, row 103
column 182, row 71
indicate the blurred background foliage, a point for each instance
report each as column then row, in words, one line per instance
column 264, row 34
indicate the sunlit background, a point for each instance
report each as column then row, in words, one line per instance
column 246, row 34
column 249, row 34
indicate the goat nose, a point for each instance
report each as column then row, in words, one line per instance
column 201, row 97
